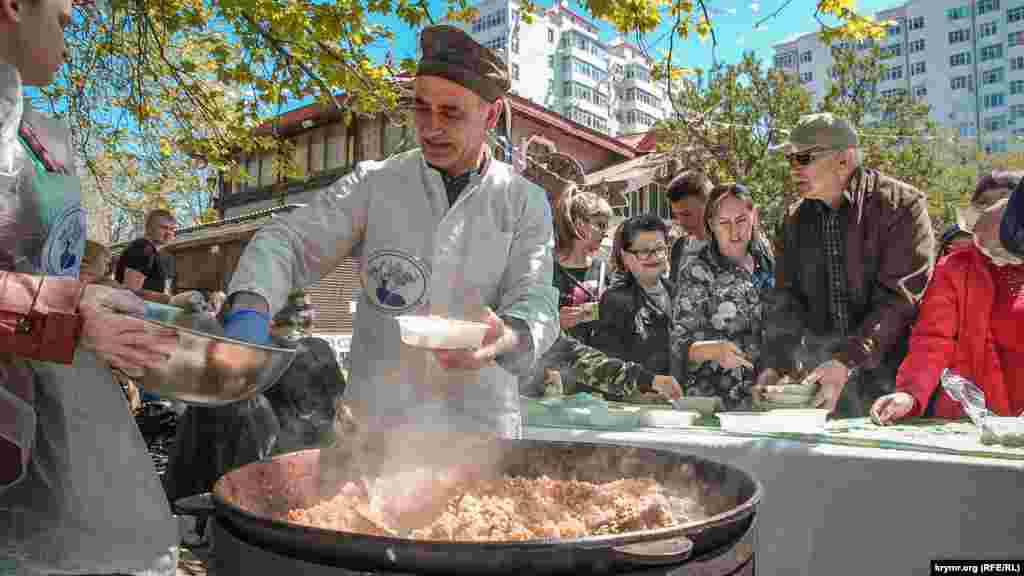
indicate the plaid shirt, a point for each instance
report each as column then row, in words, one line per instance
column 835, row 258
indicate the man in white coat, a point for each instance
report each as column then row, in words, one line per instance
column 445, row 229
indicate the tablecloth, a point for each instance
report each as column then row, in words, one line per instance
column 834, row 509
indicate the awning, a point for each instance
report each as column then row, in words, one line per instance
column 634, row 173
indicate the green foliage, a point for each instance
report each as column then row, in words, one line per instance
column 727, row 120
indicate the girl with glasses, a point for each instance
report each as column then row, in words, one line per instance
column 717, row 315
column 636, row 311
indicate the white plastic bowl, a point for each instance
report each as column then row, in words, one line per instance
column 796, row 421
column 656, row 418
column 441, row 333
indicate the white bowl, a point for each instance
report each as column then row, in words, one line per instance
column 656, row 418
column 796, row 421
column 441, row 333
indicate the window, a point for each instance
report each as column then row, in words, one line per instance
column 988, row 29
column 959, row 82
column 960, row 59
column 806, row 57
column 499, row 43
column 986, row 6
column 577, row 66
column 581, row 92
column 958, row 13
column 967, row 130
column 961, row 35
column 892, row 50
column 806, row 77
column 894, row 93
column 920, row 91
column 892, row 73
column 638, row 95
column 551, row 35
column 994, row 100
column 488, row 21
column 515, row 43
column 993, row 76
column 1016, row 111
column 992, row 52
column 785, row 60
column 515, row 71
column 894, row 30
column 917, row 68
column 637, row 117
column 637, row 72
column 1017, row 87
column 587, row 119
column 916, row 23
column 994, row 124
column 1015, row 14
column 1017, row 63
column 551, row 60
column 1015, row 38
column 916, row 46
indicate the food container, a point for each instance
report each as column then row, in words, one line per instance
column 162, row 312
column 795, row 421
column 656, row 418
column 1008, row 431
column 704, row 405
column 436, row 332
column 210, row 370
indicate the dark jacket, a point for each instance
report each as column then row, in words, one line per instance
column 633, row 328
column 718, row 300
column 890, row 251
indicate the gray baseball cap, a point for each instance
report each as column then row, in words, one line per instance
column 818, row 132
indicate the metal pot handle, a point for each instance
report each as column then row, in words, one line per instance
column 670, row 551
column 200, row 505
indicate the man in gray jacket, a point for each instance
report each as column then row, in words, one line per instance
column 445, row 229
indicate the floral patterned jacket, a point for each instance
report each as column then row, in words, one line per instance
column 717, row 300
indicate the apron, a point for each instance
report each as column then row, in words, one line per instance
column 91, row 501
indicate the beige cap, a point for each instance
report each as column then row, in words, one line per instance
column 819, row 132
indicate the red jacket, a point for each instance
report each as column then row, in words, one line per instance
column 953, row 331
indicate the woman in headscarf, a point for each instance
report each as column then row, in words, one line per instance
column 717, row 315
column 970, row 321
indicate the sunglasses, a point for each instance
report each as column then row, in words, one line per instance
column 806, row 158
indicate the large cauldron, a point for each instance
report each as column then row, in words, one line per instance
column 252, row 501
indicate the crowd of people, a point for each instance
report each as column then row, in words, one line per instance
column 854, row 303
column 862, row 302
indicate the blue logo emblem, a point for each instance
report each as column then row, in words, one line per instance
column 395, row 282
column 65, row 243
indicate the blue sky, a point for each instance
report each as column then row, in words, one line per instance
column 733, row 20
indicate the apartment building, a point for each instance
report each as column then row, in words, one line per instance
column 964, row 58
column 559, row 61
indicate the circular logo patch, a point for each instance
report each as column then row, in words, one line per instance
column 395, row 282
column 65, row 243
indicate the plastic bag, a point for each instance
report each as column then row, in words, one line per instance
column 967, row 393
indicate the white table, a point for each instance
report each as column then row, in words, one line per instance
column 835, row 510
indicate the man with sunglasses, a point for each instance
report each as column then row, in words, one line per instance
column 859, row 252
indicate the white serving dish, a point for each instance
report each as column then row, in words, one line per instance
column 795, row 421
column 1003, row 425
column 657, row 418
column 441, row 333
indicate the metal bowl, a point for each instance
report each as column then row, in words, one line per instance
column 209, row 370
